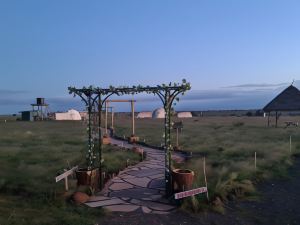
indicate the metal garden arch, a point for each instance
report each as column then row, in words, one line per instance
column 95, row 97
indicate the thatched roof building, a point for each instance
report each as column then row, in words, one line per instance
column 287, row 100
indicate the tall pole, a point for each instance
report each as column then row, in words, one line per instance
column 167, row 144
column 106, row 105
column 290, row 143
column 100, row 139
column 112, row 117
column 132, row 115
column 169, row 147
column 90, row 158
column 177, row 141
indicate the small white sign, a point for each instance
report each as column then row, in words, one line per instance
column 193, row 192
column 66, row 174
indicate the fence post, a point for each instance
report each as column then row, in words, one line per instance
column 204, row 171
column 255, row 160
column 290, row 143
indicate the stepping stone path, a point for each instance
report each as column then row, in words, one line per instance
column 139, row 187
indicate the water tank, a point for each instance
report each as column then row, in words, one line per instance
column 40, row 101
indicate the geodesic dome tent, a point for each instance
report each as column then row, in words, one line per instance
column 158, row 113
column 184, row 115
column 144, row 115
column 72, row 114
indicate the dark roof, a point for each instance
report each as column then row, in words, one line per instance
column 287, row 100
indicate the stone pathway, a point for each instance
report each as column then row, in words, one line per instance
column 139, row 187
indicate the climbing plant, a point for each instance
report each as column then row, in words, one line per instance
column 96, row 96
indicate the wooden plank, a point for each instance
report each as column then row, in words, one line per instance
column 189, row 193
column 65, row 174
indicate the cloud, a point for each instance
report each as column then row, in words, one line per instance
column 7, row 92
column 13, row 101
column 259, row 86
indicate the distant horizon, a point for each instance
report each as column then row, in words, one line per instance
column 235, row 97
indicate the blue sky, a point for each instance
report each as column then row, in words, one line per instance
column 46, row 46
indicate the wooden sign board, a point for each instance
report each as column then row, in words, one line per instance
column 178, row 125
column 189, row 193
column 65, row 174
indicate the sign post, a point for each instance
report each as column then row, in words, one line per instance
column 65, row 176
column 178, row 127
column 189, row 193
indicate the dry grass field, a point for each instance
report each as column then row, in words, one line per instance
column 31, row 155
column 229, row 144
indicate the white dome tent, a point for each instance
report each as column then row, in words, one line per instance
column 72, row 114
column 158, row 113
column 144, row 115
column 184, row 115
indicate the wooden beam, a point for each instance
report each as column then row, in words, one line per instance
column 120, row 100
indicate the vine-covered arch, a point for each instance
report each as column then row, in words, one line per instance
column 96, row 96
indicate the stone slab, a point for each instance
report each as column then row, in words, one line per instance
column 98, row 198
column 115, row 201
column 122, row 208
column 120, row 186
column 146, row 209
column 146, row 173
column 137, row 193
column 158, row 183
column 141, row 182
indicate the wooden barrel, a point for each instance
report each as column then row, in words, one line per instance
column 88, row 177
column 182, row 179
column 133, row 139
column 106, row 140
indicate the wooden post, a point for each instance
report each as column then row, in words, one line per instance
column 268, row 119
column 276, row 115
column 65, row 176
column 290, row 143
column 204, row 171
column 66, row 184
column 255, row 160
column 177, row 141
column 132, row 114
column 112, row 117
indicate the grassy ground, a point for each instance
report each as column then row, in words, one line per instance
column 229, row 144
column 31, row 155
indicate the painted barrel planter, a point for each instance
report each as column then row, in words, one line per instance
column 133, row 139
column 88, row 177
column 106, row 140
column 182, row 179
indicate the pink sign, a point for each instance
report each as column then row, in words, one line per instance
column 193, row 192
